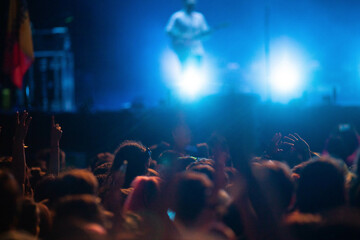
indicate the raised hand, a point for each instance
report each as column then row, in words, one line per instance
column 22, row 125
column 55, row 136
column 19, row 168
column 295, row 141
column 299, row 145
column 56, row 133
column 274, row 147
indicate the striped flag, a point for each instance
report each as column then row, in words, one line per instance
column 19, row 51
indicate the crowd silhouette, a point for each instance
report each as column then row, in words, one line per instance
column 183, row 190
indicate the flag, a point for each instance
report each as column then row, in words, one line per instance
column 19, row 51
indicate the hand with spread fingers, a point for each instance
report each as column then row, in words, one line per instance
column 295, row 141
column 298, row 144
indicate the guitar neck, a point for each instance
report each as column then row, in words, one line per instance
column 200, row 35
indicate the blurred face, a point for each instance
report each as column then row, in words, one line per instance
column 189, row 5
column 182, row 136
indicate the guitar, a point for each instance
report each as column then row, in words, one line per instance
column 184, row 43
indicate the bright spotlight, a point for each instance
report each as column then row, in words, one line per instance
column 191, row 82
column 285, row 75
column 289, row 70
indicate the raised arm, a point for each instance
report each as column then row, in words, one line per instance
column 170, row 27
column 19, row 162
column 56, row 133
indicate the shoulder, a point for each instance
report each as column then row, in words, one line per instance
column 178, row 14
column 198, row 15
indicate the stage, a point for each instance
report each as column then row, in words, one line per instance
column 109, row 75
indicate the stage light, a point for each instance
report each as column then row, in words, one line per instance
column 288, row 71
column 285, row 75
column 192, row 82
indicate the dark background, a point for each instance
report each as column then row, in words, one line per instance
column 118, row 44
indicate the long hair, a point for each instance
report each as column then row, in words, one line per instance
column 137, row 156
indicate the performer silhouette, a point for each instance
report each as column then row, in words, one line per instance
column 186, row 29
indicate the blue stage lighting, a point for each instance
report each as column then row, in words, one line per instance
column 188, row 82
column 285, row 75
column 192, row 82
column 289, row 72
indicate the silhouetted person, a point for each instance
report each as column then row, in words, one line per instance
column 320, row 187
column 186, row 28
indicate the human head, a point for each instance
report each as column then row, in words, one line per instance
column 9, row 200
column 145, row 194
column 192, row 191
column 189, row 5
column 102, row 158
column 101, row 172
column 79, row 217
column 337, row 148
column 137, row 156
column 342, row 143
column 203, row 168
column 45, row 221
column 217, row 143
column 320, row 187
column 84, row 207
column 44, row 189
column 168, row 158
column 182, row 137
column 29, row 218
column 275, row 181
column 77, row 181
